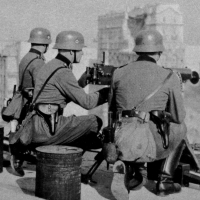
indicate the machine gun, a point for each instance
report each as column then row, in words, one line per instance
column 100, row 74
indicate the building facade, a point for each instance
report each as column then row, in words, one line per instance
column 116, row 33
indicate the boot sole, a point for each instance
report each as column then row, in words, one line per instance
column 118, row 187
column 165, row 194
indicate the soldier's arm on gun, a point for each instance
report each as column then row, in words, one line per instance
column 175, row 104
column 69, row 87
column 83, row 80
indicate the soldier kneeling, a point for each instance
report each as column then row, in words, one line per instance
column 150, row 99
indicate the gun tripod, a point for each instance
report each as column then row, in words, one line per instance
column 99, row 158
column 87, row 178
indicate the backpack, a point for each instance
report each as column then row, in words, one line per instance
column 16, row 105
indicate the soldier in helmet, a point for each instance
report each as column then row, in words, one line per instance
column 49, row 126
column 131, row 84
column 40, row 38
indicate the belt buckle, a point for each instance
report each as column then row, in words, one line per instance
column 143, row 116
column 134, row 112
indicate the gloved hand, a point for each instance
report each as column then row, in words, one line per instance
column 104, row 93
column 83, row 79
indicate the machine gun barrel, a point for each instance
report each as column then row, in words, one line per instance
column 187, row 74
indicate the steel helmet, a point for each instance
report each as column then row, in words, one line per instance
column 149, row 41
column 40, row 36
column 70, row 40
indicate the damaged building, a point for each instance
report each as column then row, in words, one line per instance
column 117, row 30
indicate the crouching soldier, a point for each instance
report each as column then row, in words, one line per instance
column 149, row 96
column 55, row 87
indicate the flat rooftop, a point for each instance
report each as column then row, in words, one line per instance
column 23, row 188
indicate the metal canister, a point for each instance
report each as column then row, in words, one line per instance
column 58, row 172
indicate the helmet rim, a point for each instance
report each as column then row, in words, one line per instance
column 40, row 36
column 69, row 40
column 149, row 41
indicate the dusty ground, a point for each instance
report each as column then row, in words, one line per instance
column 17, row 188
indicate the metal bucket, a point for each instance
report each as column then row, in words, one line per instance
column 1, row 147
column 58, row 172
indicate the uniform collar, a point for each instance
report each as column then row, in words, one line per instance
column 37, row 52
column 65, row 60
column 145, row 58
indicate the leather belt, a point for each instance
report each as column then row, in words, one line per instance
column 136, row 113
column 47, row 109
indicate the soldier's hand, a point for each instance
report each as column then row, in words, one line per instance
column 104, row 93
column 83, row 80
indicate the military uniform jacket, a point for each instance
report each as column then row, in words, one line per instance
column 32, row 70
column 60, row 89
column 133, row 83
column 63, row 87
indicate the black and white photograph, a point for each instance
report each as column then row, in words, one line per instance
column 99, row 99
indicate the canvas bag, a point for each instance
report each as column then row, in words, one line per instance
column 133, row 137
column 16, row 104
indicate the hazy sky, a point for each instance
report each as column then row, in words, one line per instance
column 18, row 17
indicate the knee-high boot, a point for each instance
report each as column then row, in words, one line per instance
column 165, row 184
column 137, row 175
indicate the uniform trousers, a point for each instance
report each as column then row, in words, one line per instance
column 79, row 131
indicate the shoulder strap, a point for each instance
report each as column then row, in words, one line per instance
column 156, row 90
column 32, row 105
column 20, row 86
